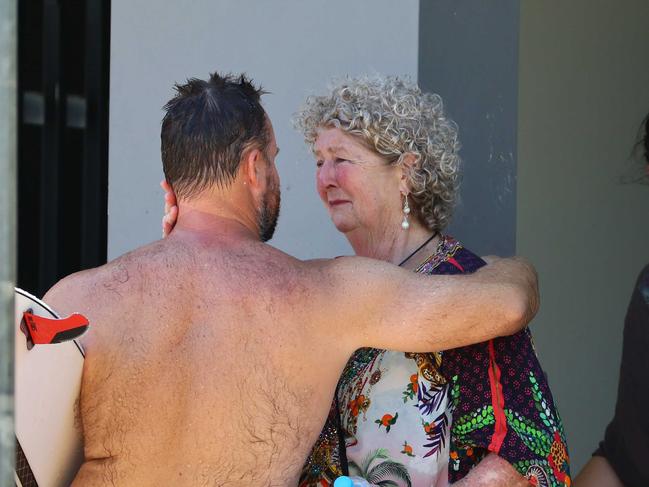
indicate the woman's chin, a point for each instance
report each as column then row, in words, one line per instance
column 343, row 225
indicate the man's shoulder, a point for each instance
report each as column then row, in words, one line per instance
column 89, row 287
column 67, row 294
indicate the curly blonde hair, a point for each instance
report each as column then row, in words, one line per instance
column 392, row 116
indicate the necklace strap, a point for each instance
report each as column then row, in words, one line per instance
column 419, row 248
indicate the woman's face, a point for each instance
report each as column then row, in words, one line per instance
column 361, row 191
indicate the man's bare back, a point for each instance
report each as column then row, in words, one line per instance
column 214, row 362
column 202, row 367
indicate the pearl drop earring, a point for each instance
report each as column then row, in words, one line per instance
column 405, row 224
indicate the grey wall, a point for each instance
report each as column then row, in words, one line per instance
column 468, row 53
column 290, row 46
column 584, row 89
column 542, row 170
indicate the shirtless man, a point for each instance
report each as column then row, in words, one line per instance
column 212, row 356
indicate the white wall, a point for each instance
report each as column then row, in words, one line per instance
column 584, row 89
column 291, row 47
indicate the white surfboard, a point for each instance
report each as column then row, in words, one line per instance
column 47, row 383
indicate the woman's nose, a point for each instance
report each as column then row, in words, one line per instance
column 326, row 175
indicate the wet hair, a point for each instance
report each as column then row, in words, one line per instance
column 644, row 148
column 638, row 172
column 393, row 117
column 207, row 128
column 645, row 139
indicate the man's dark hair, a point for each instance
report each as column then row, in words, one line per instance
column 645, row 139
column 206, row 130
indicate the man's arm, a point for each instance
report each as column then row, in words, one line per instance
column 383, row 306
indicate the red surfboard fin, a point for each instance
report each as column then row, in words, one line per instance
column 42, row 331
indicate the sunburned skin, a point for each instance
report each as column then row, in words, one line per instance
column 212, row 359
column 160, row 403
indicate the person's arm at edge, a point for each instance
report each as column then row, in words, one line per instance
column 385, row 306
column 597, row 473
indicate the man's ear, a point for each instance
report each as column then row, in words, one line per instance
column 408, row 163
column 252, row 169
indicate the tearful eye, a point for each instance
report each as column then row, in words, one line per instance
column 338, row 160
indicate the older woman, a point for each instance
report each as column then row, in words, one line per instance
column 387, row 172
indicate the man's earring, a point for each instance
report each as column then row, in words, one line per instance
column 405, row 224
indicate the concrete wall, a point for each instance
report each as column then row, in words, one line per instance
column 291, row 47
column 584, row 89
column 468, row 53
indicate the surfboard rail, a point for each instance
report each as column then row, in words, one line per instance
column 48, row 369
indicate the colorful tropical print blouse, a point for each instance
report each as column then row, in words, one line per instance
column 405, row 419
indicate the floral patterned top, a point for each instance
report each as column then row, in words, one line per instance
column 405, row 419
column 399, row 402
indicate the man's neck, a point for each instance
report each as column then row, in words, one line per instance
column 209, row 220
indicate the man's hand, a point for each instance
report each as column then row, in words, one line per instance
column 171, row 209
column 492, row 471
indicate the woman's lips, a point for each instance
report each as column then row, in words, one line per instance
column 338, row 202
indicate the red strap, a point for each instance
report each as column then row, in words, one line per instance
column 497, row 401
column 455, row 263
column 43, row 330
